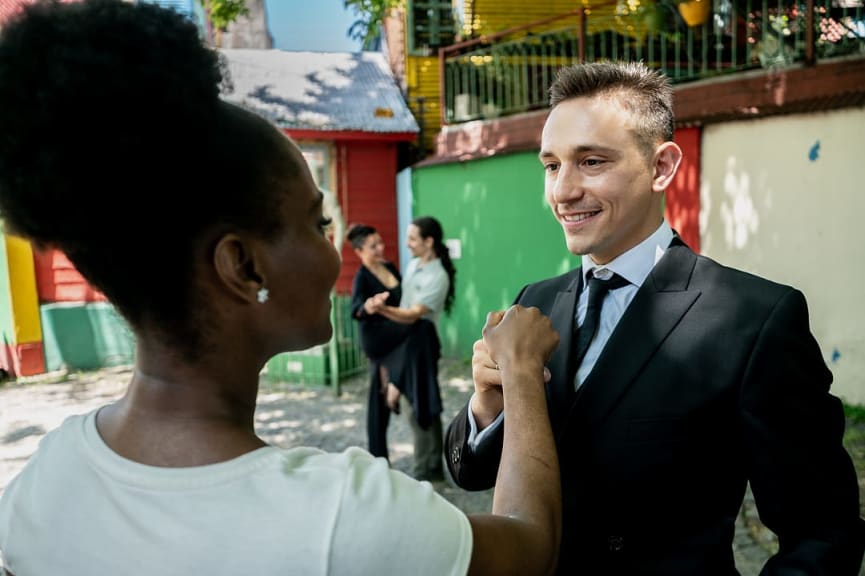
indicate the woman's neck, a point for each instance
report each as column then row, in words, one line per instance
column 428, row 257
column 177, row 413
column 192, row 395
column 375, row 264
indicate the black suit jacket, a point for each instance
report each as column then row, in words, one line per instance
column 711, row 379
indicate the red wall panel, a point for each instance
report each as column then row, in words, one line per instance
column 57, row 280
column 366, row 173
column 683, row 196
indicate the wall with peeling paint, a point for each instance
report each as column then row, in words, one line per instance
column 784, row 198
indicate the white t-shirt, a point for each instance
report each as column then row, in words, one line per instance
column 77, row 508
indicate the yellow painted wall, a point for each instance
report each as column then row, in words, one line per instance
column 482, row 17
column 422, row 72
column 422, row 80
column 782, row 198
column 22, row 286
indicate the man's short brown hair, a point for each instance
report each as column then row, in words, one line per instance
column 646, row 93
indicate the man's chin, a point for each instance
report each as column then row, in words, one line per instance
column 576, row 246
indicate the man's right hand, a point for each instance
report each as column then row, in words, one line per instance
column 520, row 337
column 488, row 402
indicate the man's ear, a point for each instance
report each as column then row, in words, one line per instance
column 668, row 156
column 237, row 266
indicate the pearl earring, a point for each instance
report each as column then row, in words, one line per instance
column 263, row 295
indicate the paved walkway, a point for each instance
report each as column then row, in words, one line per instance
column 288, row 415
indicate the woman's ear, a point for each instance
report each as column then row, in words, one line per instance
column 238, row 267
column 668, row 156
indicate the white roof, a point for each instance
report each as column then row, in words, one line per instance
column 319, row 90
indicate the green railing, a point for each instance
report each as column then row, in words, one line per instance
column 327, row 364
column 511, row 72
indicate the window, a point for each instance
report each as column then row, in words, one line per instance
column 318, row 157
column 431, row 25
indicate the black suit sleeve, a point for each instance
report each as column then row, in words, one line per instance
column 474, row 469
column 803, row 480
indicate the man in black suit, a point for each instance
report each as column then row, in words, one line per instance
column 694, row 380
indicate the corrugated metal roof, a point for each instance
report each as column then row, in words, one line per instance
column 319, row 90
column 182, row 6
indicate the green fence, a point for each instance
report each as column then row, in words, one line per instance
column 329, row 363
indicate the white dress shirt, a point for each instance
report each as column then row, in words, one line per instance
column 634, row 266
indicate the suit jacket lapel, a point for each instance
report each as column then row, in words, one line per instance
column 657, row 308
column 561, row 387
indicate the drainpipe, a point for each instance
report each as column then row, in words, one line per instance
column 810, row 57
column 420, row 122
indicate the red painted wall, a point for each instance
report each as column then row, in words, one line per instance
column 366, row 173
column 57, row 280
column 683, row 196
column 366, row 184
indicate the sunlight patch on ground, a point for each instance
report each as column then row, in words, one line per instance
column 331, row 426
column 461, row 384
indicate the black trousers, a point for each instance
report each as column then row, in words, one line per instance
column 377, row 413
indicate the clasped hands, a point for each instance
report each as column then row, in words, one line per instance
column 517, row 339
column 375, row 303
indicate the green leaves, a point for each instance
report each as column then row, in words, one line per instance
column 370, row 15
column 221, row 13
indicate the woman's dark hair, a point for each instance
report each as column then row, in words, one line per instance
column 358, row 234
column 429, row 227
column 116, row 149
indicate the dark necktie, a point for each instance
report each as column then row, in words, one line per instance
column 597, row 290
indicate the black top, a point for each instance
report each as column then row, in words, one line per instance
column 378, row 335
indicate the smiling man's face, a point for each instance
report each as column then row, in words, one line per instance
column 598, row 181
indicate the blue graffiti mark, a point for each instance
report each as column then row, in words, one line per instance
column 835, row 356
column 814, row 153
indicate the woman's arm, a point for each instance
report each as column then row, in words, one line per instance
column 359, row 294
column 523, row 533
column 404, row 315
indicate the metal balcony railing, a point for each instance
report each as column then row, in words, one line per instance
column 510, row 72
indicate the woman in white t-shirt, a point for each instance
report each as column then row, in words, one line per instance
column 219, row 262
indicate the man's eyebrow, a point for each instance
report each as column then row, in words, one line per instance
column 581, row 149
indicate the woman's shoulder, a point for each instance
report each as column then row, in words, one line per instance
column 362, row 273
column 384, row 509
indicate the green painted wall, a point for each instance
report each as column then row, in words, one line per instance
column 7, row 322
column 80, row 336
column 508, row 236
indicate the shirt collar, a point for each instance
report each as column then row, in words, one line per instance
column 420, row 263
column 635, row 264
